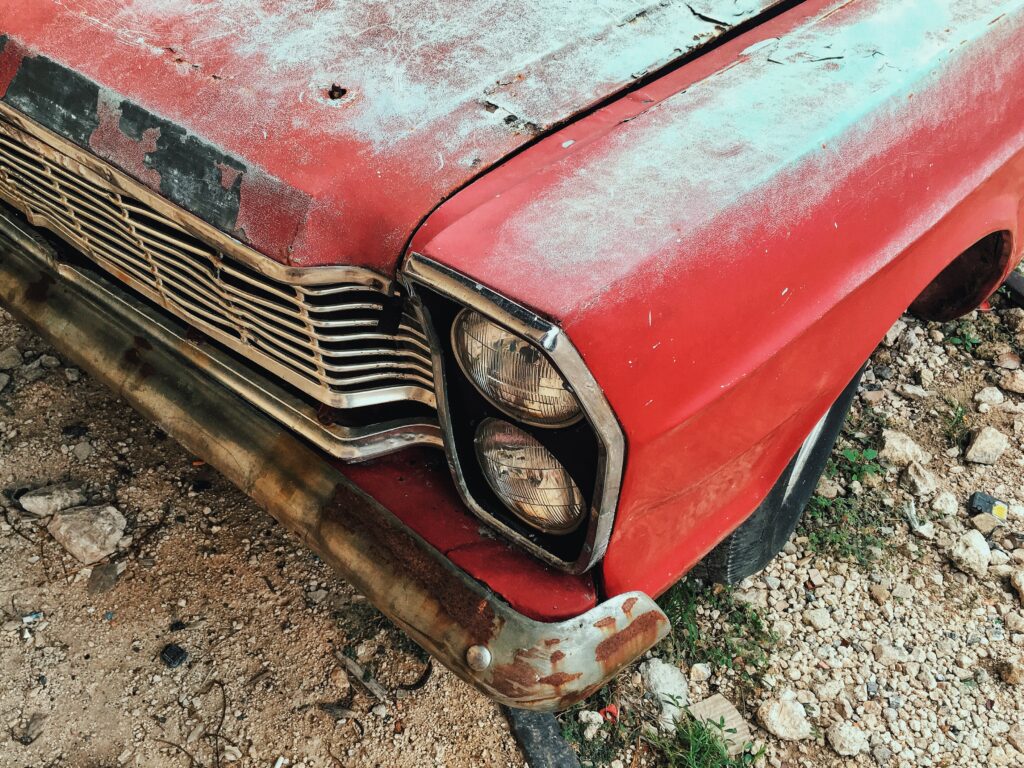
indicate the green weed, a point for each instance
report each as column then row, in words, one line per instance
column 696, row 744
column 961, row 334
column 957, row 427
column 845, row 528
column 693, row 744
column 736, row 639
column 857, row 464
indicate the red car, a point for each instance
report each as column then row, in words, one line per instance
column 621, row 261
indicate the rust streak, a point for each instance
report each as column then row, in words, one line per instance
column 624, row 645
column 627, row 607
column 513, row 679
column 38, row 290
column 559, row 679
column 456, row 603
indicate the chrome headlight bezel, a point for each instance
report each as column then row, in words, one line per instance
column 419, row 273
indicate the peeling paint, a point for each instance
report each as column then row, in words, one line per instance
column 63, row 101
column 189, row 168
column 433, row 95
column 228, row 175
column 126, row 152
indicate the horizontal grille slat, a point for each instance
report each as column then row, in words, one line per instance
column 334, row 338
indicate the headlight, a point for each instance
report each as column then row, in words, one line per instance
column 527, row 478
column 512, row 373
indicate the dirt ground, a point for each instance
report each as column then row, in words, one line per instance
column 259, row 616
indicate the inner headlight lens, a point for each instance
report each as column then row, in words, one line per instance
column 527, row 478
column 513, row 374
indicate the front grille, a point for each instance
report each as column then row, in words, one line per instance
column 340, row 335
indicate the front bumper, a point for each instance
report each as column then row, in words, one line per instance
column 510, row 657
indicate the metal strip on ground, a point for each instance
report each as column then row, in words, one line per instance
column 540, row 739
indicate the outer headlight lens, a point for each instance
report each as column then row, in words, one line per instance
column 512, row 373
column 527, row 478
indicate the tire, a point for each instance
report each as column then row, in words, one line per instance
column 761, row 536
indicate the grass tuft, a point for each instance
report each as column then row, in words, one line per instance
column 845, row 528
column 736, row 638
column 696, row 744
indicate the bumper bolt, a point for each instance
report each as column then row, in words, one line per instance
column 478, row 658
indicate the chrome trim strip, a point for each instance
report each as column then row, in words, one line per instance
column 611, row 439
column 346, row 443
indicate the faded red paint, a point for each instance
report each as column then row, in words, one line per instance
column 431, row 102
column 10, row 60
column 110, row 143
column 698, row 259
column 258, row 223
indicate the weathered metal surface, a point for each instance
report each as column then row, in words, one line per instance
column 323, row 132
column 530, row 664
column 349, row 441
column 727, row 245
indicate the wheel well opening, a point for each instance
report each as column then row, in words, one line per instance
column 968, row 280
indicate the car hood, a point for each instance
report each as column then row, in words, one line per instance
column 324, row 131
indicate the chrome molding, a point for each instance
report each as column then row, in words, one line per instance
column 419, row 269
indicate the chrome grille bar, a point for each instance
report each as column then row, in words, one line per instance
column 319, row 329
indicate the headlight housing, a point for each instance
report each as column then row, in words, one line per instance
column 532, row 442
column 527, row 478
column 513, row 374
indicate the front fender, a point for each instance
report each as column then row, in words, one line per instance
column 727, row 245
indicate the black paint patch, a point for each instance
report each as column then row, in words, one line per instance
column 56, row 97
column 190, row 170
column 3, row 41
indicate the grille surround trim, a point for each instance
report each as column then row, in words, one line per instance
column 317, row 328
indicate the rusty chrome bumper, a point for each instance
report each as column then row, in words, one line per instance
column 514, row 659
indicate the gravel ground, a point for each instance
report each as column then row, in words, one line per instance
column 201, row 567
column 889, row 632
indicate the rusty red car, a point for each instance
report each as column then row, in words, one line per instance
column 515, row 312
